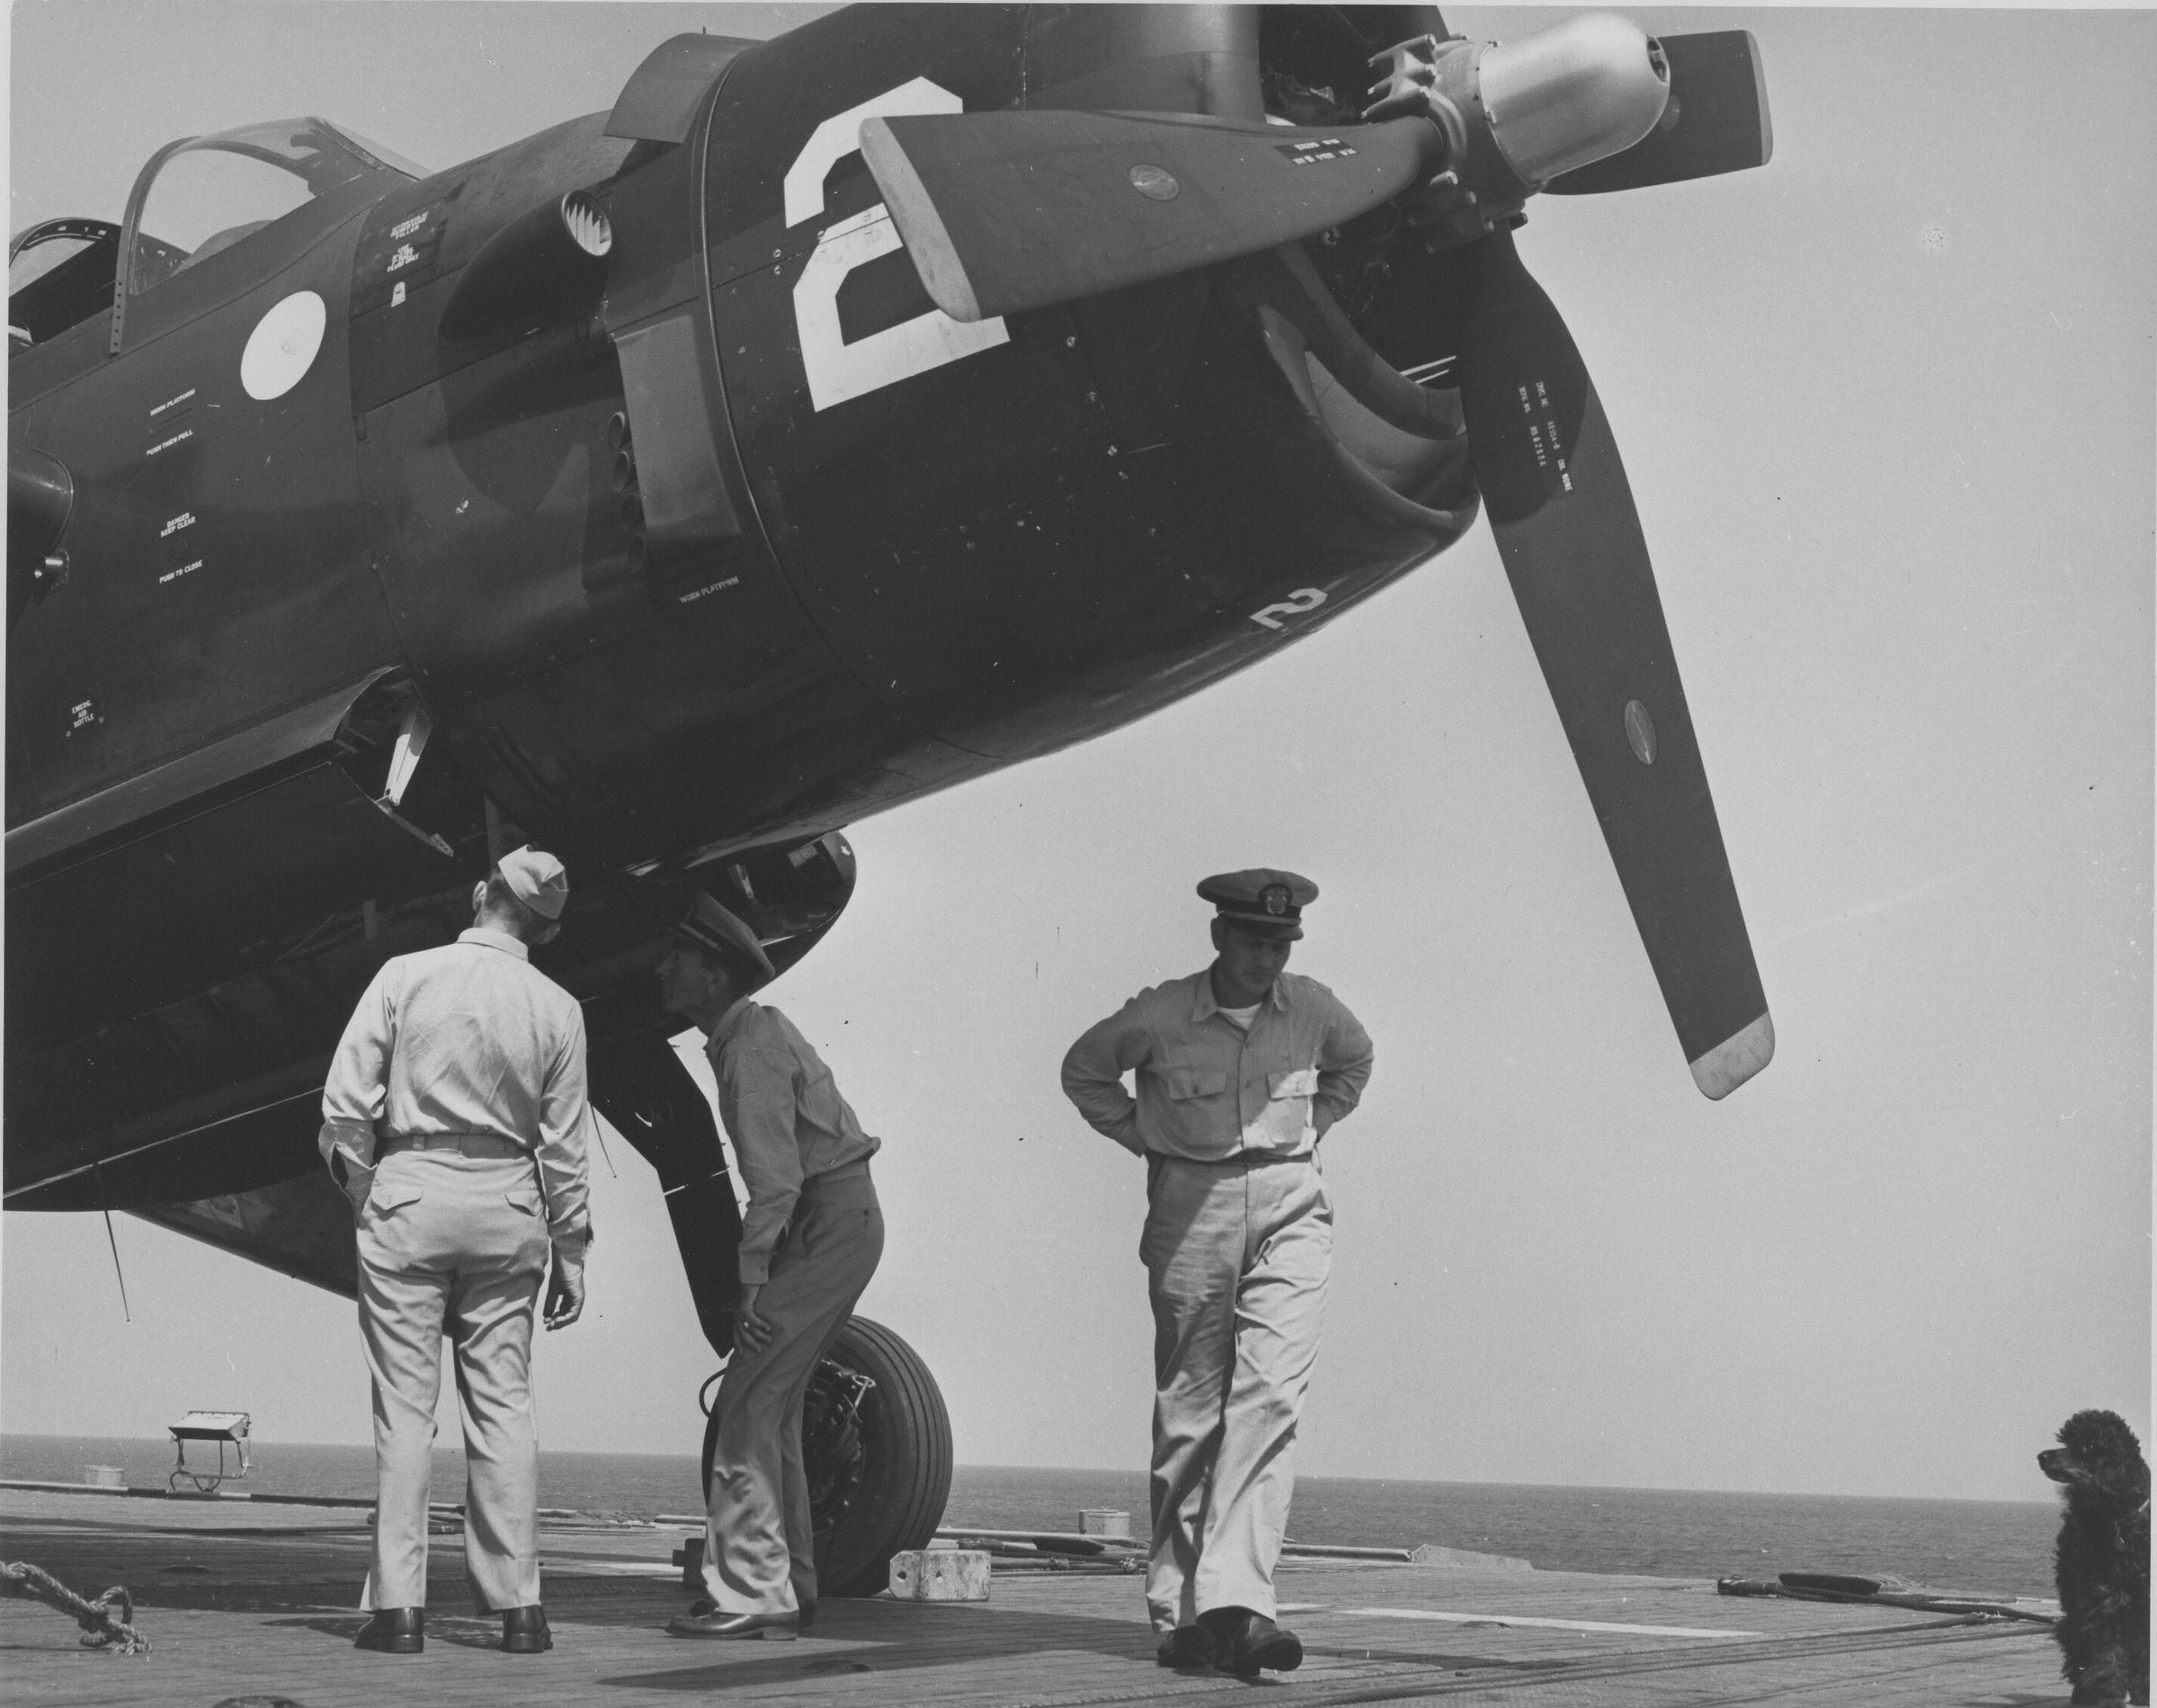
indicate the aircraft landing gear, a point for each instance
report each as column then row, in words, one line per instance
column 641, row 1087
column 876, row 1444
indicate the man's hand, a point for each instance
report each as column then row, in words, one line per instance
column 752, row 1332
column 565, row 1288
column 354, row 1181
column 357, row 1183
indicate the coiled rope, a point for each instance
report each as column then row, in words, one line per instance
column 21, row 1581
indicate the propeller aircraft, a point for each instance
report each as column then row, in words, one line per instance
column 836, row 419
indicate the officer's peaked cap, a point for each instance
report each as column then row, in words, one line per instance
column 711, row 928
column 537, row 880
column 1262, row 898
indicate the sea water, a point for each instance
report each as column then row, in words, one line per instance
column 1998, row 1547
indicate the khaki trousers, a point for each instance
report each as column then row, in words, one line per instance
column 759, row 1539
column 1236, row 1255
column 448, row 1240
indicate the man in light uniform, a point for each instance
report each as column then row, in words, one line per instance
column 454, row 1117
column 1240, row 1070
column 810, row 1241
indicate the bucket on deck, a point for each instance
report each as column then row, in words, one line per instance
column 104, row 1476
column 1104, row 1521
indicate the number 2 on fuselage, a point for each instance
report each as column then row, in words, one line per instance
column 838, row 370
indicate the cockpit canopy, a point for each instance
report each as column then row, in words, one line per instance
column 194, row 198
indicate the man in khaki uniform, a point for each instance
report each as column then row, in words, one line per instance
column 1240, row 1070
column 811, row 1238
column 454, row 1117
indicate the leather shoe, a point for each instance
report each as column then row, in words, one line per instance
column 1244, row 1641
column 773, row 1627
column 524, row 1631
column 395, row 1631
column 703, row 1604
column 1187, row 1648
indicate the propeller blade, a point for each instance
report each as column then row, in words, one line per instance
column 1571, row 539
column 1007, row 212
column 1717, row 121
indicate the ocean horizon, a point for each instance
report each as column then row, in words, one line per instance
column 1995, row 1547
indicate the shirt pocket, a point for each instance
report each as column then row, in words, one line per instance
column 1294, row 1083
column 1188, row 1078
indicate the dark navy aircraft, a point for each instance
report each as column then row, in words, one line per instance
column 838, row 418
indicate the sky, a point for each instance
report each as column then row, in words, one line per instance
column 1887, row 406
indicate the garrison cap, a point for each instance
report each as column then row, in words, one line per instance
column 711, row 928
column 537, row 880
column 1261, row 897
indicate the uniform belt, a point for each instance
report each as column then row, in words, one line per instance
column 465, row 1144
column 858, row 1170
column 1237, row 1160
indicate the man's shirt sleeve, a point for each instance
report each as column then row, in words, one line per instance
column 566, row 1122
column 756, row 1095
column 1344, row 1060
column 1093, row 1071
column 358, row 1086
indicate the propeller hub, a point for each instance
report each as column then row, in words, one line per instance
column 1572, row 95
column 1514, row 115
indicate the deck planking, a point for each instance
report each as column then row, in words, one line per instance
column 251, row 1599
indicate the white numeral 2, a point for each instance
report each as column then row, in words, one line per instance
column 838, row 370
column 1300, row 602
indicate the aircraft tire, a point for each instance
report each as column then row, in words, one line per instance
column 879, row 1476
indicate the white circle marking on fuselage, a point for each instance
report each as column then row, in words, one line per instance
column 281, row 348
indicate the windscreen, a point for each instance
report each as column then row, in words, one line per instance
column 209, row 193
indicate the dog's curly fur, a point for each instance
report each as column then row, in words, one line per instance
column 2102, row 1561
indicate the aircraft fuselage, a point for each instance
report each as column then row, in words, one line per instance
column 902, row 551
column 744, row 542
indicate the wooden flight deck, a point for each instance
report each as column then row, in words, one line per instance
column 250, row 1603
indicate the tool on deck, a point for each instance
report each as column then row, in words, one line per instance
column 1829, row 1585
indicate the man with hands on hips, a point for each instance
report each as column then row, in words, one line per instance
column 1240, row 1068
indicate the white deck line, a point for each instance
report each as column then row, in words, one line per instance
column 1546, row 1625
column 572, row 1565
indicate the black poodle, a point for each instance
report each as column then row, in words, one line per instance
column 2102, row 1561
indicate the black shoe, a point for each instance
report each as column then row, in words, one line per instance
column 1244, row 1641
column 524, row 1631
column 704, row 1605
column 773, row 1627
column 395, row 1631
column 1186, row 1648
